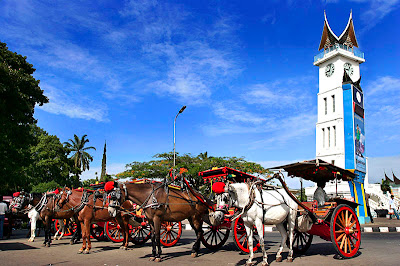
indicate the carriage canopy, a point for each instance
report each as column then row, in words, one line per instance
column 316, row 170
column 225, row 173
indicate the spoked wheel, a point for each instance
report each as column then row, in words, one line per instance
column 140, row 234
column 97, row 232
column 114, row 232
column 301, row 242
column 240, row 237
column 69, row 230
column 215, row 237
column 170, row 233
column 345, row 231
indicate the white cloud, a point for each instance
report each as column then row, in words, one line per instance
column 61, row 103
column 224, row 110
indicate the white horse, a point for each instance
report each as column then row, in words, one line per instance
column 61, row 229
column 270, row 207
column 33, row 216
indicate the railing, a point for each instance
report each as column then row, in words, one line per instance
column 353, row 50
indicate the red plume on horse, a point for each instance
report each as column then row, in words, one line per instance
column 218, row 187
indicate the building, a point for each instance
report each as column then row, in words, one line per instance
column 340, row 136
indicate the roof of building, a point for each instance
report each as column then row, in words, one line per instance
column 347, row 37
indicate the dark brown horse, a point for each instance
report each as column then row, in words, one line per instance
column 161, row 203
column 93, row 210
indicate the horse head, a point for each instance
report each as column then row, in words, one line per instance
column 114, row 197
column 19, row 202
column 62, row 198
column 225, row 197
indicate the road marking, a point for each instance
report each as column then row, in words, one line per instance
column 384, row 229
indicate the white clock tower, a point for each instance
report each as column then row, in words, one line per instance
column 339, row 54
column 340, row 135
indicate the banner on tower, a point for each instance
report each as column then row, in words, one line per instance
column 359, row 143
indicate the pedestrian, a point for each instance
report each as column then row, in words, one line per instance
column 3, row 210
column 368, row 208
column 393, row 210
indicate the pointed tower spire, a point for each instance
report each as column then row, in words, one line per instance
column 104, row 163
column 329, row 38
column 395, row 179
column 387, row 178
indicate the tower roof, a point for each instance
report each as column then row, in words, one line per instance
column 347, row 37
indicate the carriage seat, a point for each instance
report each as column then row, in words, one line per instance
column 320, row 211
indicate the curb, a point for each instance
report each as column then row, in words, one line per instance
column 381, row 229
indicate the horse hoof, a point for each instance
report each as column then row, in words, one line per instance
column 71, row 242
column 289, row 259
column 80, row 251
column 87, row 251
column 265, row 264
column 48, row 245
column 194, row 255
column 152, row 258
column 250, row 263
column 157, row 260
column 278, row 259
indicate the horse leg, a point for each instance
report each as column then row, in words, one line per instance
column 48, row 230
column 196, row 223
column 122, row 221
column 153, row 241
column 83, row 228
column 157, row 228
column 260, row 231
column 283, row 233
column 291, row 225
column 33, row 228
column 249, row 231
column 89, row 243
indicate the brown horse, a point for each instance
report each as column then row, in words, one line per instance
column 94, row 211
column 161, row 203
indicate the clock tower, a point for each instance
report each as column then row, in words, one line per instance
column 340, row 136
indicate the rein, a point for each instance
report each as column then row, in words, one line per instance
column 80, row 206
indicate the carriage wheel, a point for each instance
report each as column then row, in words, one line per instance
column 170, row 233
column 141, row 234
column 68, row 230
column 240, row 237
column 97, row 232
column 114, row 232
column 345, row 231
column 215, row 237
column 301, row 242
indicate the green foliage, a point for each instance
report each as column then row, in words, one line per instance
column 77, row 147
column 385, row 186
column 19, row 94
column 159, row 168
column 301, row 195
column 45, row 186
column 50, row 161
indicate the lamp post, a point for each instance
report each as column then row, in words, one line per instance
column 180, row 111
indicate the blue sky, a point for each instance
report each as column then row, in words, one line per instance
column 120, row 70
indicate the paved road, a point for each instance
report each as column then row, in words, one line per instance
column 376, row 249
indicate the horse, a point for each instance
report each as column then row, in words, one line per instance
column 258, row 207
column 91, row 210
column 23, row 203
column 160, row 203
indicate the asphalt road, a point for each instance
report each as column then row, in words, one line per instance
column 376, row 249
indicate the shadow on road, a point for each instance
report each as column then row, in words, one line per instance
column 15, row 246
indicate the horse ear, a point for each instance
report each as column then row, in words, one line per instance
column 227, row 187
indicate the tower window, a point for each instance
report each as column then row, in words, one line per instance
column 323, row 138
column 334, row 136
column 329, row 137
column 326, row 105
column 333, row 103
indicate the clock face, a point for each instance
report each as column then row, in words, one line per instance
column 358, row 96
column 349, row 69
column 329, row 69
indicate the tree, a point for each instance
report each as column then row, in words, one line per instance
column 19, row 94
column 44, row 187
column 103, row 164
column 77, row 147
column 159, row 168
column 385, row 186
column 50, row 161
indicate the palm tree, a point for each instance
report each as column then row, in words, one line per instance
column 79, row 155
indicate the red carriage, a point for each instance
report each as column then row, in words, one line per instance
column 336, row 221
column 216, row 236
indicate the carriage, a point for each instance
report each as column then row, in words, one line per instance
column 336, row 221
column 216, row 236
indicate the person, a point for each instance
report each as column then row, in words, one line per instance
column 320, row 195
column 368, row 208
column 3, row 210
column 393, row 210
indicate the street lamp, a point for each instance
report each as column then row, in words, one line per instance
column 180, row 111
